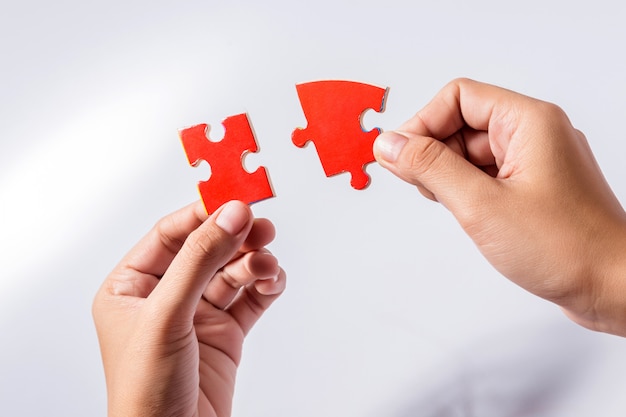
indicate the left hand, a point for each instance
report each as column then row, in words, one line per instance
column 172, row 316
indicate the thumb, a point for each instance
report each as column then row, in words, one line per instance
column 440, row 173
column 204, row 252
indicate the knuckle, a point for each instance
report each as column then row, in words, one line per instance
column 231, row 280
column 458, row 82
column 424, row 156
column 206, row 248
column 551, row 113
column 162, row 229
column 254, row 303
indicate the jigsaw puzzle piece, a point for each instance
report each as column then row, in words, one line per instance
column 229, row 180
column 334, row 111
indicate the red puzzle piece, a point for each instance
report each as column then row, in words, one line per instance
column 333, row 110
column 228, row 180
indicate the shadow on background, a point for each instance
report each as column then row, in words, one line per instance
column 518, row 373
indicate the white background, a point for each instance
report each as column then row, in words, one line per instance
column 390, row 310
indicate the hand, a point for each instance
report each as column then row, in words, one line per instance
column 524, row 185
column 172, row 316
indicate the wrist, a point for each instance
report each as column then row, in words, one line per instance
column 601, row 305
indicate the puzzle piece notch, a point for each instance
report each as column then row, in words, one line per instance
column 229, row 180
column 334, row 110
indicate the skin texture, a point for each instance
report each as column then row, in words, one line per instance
column 172, row 316
column 521, row 181
column 524, row 185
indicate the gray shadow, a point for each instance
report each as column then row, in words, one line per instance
column 519, row 373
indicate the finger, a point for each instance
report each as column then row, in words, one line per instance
column 473, row 146
column 138, row 272
column 271, row 286
column 439, row 172
column 426, row 192
column 482, row 107
column 461, row 102
column 250, row 303
column 153, row 254
column 487, row 117
column 262, row 233
column 476, row 146
column 205, row 251
column 253, row 266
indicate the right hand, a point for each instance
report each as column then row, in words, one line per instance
column 524, row 185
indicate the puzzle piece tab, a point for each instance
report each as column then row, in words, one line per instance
column 229, row 180
column 334, row 110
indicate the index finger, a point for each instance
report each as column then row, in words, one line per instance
column 154, row 253
column 465, row 102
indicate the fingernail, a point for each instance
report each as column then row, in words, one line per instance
column 233, row 217
column 389, row 145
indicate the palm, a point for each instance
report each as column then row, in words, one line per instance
column 219, row 342
column 172, row 316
